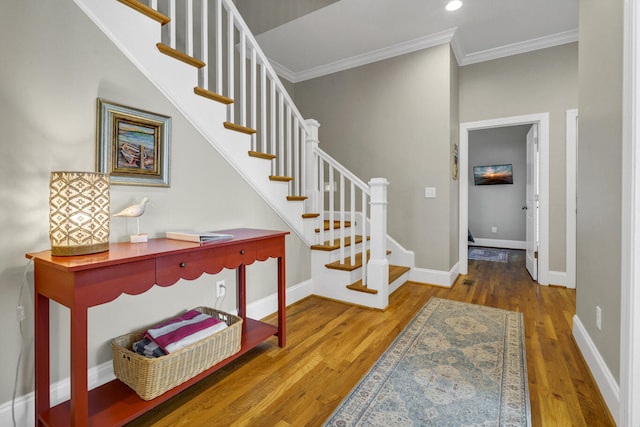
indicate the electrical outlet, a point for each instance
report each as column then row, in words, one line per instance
column 598, row 317
column 221, row 290
column 494, row 229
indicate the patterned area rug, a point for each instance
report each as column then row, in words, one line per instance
column 489, row 254
column 455, row 364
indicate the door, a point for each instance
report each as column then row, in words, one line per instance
column 531, row 206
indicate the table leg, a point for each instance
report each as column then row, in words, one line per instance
column 79, row 366
column 42, row 351
column 282, row 303
column 242, row 291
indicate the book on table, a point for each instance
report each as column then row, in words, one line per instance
column 198, row 236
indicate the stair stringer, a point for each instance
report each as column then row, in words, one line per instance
column 176, row 81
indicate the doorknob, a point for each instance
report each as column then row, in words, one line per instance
column 524, row 208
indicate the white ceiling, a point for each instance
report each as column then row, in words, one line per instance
column 349, row 33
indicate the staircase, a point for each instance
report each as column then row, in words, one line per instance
column 201, row 55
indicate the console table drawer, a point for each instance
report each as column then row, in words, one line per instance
column 191, row 265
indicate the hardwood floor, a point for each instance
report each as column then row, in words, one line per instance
column 331, row 345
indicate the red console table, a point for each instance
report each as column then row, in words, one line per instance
column 80, row 282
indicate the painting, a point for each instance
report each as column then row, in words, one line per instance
column 493, row 174
column 133, row 145
column 454, row 161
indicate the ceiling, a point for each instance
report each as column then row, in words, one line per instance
column 348, row 33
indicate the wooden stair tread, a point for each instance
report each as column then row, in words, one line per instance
column 147, row 11
column 180, row 56
column 332, row 246
column 260, row 155
column 310, row 215
column 357, row 286
column 297, row 198
column 212, row 95
column 280, row 178
column 336, row 225
column 239, row 128
column 395, row 271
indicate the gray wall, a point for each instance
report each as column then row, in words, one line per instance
column 393, row 119
column 498, row 205
column 49, row 83
column 535, row 82
column 599, row 176
column 264, row 15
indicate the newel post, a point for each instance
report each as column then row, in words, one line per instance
column 311, row 166
column 378, row 265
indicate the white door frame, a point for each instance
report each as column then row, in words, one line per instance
column 572, row 170
column 542, row 119
column 629, row 414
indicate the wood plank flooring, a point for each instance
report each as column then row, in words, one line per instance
column 331, row 345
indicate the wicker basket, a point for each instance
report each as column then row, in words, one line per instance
column 150, row 377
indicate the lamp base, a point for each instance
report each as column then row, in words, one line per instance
column 138, row 238
column 79, row 250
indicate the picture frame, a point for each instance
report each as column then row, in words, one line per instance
column 493, row 174
column 455, row 161
column 132, row 145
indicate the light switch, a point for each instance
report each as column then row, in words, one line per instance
column 430, row 192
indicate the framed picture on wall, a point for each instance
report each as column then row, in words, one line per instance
column 454, row 161
column 133, row 145
column 493, row 174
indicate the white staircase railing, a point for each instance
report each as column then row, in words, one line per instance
column 234, row 67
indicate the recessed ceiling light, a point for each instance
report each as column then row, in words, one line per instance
column 454, row 5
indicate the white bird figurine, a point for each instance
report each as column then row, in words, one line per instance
column 134, row 211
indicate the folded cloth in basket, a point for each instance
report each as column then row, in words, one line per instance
column 184, row 330
column 146, row 347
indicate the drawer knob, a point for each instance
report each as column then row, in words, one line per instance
column 183, row 264
column 242, row 252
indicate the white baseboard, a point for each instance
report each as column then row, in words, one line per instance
column 607, row 384
column 557, row 278
column 496, row 243
column 435, row 277
column 103, row 373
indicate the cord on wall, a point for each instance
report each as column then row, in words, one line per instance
column 20, row 315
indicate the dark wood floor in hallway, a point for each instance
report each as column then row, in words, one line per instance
column 331, row 345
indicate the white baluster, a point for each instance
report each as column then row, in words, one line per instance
column 254, row 98
column 172, row 24
column 342, row 223
column 243, row 79
column 321, row 196
column 288, row 144
column 204, row 42
column 331, row 207
column 281, row 153
column 219, row 60
column 189, row 29
column 352, row 218
column 363, row 230
column 272, row 110
column 296, row 157
column 263, row 109
column 230, row 62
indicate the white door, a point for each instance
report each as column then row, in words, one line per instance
column 531, row 207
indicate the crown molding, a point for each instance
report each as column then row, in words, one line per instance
column 366, row 58
column 552, row 40
column 447, row 36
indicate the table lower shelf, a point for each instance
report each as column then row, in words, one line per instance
column 115, row 404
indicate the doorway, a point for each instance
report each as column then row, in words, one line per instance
column 542, row 122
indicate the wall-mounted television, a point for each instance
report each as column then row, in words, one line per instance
column 493, row 174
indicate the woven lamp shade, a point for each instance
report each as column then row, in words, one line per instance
column 78, row 213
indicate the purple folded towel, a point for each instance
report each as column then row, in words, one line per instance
column 184, row 330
